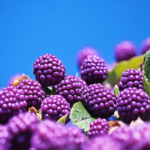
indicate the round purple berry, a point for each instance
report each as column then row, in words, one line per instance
column 99, row 101
column 103, row 143
column 84, row 53
column 146, row 46
column 98, row 127
column 49, row 70
column 93, row 70
column 124, row 51
column 20, row 130
column 79, row 137
column 33, row 92
column 71, row 89
column 54, row 107
column 133, row 103
column 12, row 102
column 52, row 136
column 131, row 78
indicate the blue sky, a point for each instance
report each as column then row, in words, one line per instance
column 29, row 29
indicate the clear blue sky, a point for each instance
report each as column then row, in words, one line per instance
column 30, row 28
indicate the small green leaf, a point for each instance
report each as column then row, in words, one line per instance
column 62, row 119
column 115, row 75
column 81, row 117
column 146, row 67
column 50, row 91
column 116, row 90
column 146, row 85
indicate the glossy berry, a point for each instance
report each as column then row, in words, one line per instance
column 124, row 51
column 12, row 102
column 146, row 46
column 33, row 92
column 93, row 70
column 133, row 103
column 131, row 78
column 99, row 101
column 20, row 130
column 54, row 107
column 49, row 70
column 98, row 127
column 103, row 143
column 52, row 136
column 84, row 53
column 79, row 137
column 71, row 89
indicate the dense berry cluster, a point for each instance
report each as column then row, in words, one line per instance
column 49, row 70
column 54, row 107
column 125, row 50
column 133, row 103
column 71, row 89
column 98, row 127
column 84, row 53
column 131, row 78
column 52, row 136
column 99, row 101
column 103, row 143
column 93, row 70
column 146, row 46
column 12, row 101
column 20, row 130
column 33, row 92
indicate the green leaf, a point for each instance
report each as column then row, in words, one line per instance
column 115, row 75
column 50, row 91
column 116, row 90
column 81, row 117
column 62, row 119
column 146, row 67
column 146, row 85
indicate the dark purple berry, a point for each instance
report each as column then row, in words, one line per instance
column 12, row 102
column 131, row 78
column 146, row 46
column 79, row 137
column 93, row 70
column 71, row 89
column 53, row 136
column 103, row 143
column 33, row 92
column 49, row 70
column 133, row 103
column 84, row 53
column 20, row 130
column 98, row 127
column 54, row 107
column 99, row 101
column 124, row 51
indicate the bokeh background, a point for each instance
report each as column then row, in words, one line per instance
column 29, row 29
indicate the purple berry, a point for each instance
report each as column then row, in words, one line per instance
column 131, row 78
column 20, row 130
column 98, row 127
column 99, row 101
column 4, row 138
column 52, row 136
column 146, row 46
column 93, row 70
column 103, row 143
column 12, row 102
column 124, row 51
column 54, row 107
column 49, row 70
column 33, row 92
column 71, row 89
column 79, row 138
column 84, row 53
column 133, row 103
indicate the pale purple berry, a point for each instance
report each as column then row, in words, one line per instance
column 146, row 46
